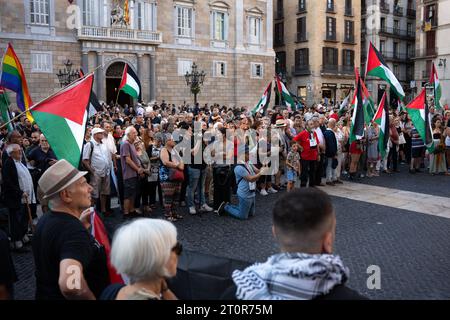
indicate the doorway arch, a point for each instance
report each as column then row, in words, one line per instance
column 113, row 77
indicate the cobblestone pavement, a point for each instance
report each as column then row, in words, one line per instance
column 410, row 248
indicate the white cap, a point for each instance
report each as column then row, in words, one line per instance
column 97, row 130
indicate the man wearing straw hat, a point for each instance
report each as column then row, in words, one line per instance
column 69, row 263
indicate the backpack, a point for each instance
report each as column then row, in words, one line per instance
column 81, row 166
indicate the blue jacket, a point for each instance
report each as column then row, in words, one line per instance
column 331, row 144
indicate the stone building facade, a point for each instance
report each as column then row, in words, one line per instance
column 391, row 26
column 231, row 40
column 317, row 44
column 432, row 45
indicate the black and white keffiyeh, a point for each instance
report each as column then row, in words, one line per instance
column 290, row 276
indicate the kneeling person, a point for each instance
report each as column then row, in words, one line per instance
column 246, row 176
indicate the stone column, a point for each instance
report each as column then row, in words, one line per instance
column 240, row 24
column 85, row 61
column 140, row 72
column 100, row 78
column 269, row 26
column 152, row 78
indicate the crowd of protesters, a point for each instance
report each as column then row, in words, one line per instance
column 197, row 157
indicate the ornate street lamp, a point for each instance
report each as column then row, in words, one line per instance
column 194, row 80
column 67, row 76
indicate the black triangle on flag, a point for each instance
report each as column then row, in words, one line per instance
column 428, row 129
column 357, row 130
column 94, row 104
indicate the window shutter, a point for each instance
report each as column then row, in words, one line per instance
column 226, row 16
column 324, row 56
column 334, row 28
column 306, row 57
column 304, row 27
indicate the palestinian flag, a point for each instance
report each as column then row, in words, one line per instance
column 382, row 119
column 344, row 104
column 284, row 94
column 357, row 126
column 418, row 112
column 62, row 118
column 130, row 83
column 264, row 102
column 368, row 103
column 434, row 80
column 94, row 104
column 98, row 231
column 377, row 67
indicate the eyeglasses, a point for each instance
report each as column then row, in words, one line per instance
column 178, row 248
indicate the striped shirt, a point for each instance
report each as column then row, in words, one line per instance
column 416, row 141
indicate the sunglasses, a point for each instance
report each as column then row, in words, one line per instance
column 178, row 248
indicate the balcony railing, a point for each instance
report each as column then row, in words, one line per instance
column 302, row 70
column 398, row 32
column 426, row 52
column 411, row 13
column 384, row 7
column 302, row 37
column 280, row 14
column 350, row 39
column 399, row 56
column 336, row 70
column 398, row 11
column 278, row 42
column 330, row 37
column 118, row 34
column 426, row 74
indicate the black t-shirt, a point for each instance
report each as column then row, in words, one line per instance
column 42, row 158
column 7, row 271
column 62, row 236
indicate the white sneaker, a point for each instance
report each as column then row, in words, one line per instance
column 206, row 208
column 272, row 190
column 263, row 192
column 192, row 210
column 25, row 239
column 18, row 244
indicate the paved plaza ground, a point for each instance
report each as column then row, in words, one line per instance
column 411, row 247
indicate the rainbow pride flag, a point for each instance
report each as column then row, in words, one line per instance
column 13, row 78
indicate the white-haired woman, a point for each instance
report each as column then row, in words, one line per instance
column 146, row 252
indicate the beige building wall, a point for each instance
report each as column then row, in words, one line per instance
column 312, row 86
column 441, row 56
column 154, row 53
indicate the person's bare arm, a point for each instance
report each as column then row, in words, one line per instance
column 71, row 281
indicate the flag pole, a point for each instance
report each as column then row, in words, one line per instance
column 118, row 89
column 51, row 96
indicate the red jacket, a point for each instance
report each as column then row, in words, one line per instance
column 303, row 139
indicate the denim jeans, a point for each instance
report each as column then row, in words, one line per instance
column 244, row 209
column 196, row 180
column 330, row 172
